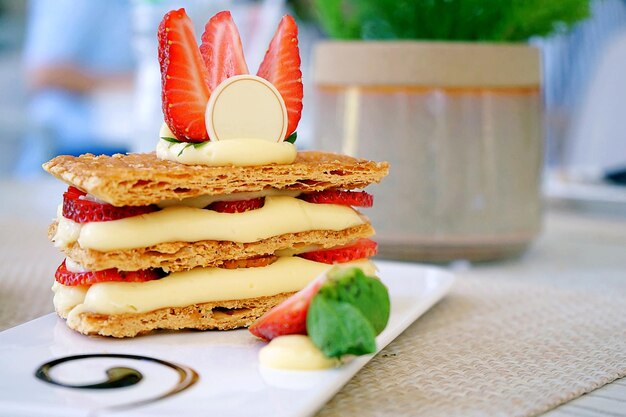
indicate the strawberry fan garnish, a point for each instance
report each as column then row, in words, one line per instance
column 184, row 78
column 281, row 67
column 189, row 73
column 221, row 49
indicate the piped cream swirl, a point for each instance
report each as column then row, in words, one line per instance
column 236, row 152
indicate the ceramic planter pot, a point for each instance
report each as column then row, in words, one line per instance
column 460, row 124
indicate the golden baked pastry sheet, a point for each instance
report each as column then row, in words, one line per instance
column 177, row 256
column 221, row 315
column 141, row 179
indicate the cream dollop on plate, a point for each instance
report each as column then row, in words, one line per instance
column 295, row 352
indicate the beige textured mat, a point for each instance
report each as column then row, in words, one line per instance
column 493, row 347
column 27, row 265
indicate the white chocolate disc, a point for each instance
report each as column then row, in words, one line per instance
column 246, row 107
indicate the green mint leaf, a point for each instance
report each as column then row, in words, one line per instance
column 367, row 294
column 197, row 145
column 183, row 148
column 172, row 140
column 347, row 313
column 292, row 138
column 338, row 328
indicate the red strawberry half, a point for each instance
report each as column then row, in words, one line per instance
column 281, row 67
column 238, row 206
column 184, row 79
column 362, row 248
column 81, row 210
column 66, row 277
column 289, row 317
column 345, row 198
column 221, row 49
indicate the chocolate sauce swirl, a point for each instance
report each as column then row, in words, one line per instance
column 119, row 377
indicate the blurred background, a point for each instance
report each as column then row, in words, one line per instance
column 82, row 75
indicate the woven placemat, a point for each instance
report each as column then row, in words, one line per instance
column 492, row 347
column 28, row 261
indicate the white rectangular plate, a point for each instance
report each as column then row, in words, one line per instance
column 230, row 383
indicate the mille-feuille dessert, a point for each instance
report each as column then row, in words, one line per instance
column 226, row 219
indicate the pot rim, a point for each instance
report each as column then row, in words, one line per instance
column 412, row 63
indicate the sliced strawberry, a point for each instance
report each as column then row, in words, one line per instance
column 281, row 67
column 362, row 248
column 238, row 206
column 345, row 198
column 221, row 49
column 81, row 210
column 184, row 79
column 66, row 277
column 289, row 317
column 74, row 192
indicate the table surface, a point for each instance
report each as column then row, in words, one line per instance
column 582, row 246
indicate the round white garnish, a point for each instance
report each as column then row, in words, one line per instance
column 246, row 107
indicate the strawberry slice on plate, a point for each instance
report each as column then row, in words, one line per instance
column 66, row 277
column 289, row 317
column 362, row 248
column 221, row 49
column 78, row 208
column 345, row 198
column 238, row 206
column 184, row 78
column 281, row 67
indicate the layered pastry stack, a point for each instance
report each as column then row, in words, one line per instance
column 208, row 233
column 213, row 269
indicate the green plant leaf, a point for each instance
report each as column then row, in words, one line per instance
column 453, row 20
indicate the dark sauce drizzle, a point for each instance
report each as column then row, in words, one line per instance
column 119, row 377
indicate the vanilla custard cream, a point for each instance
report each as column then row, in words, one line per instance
column 279, row 215
column 295, row 352
column 237, row 152
column 199, row 285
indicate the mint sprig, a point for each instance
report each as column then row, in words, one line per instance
column 347, row 313
column 172, row 140
column 196, row 145
column 338, row 328
column 292, row 138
